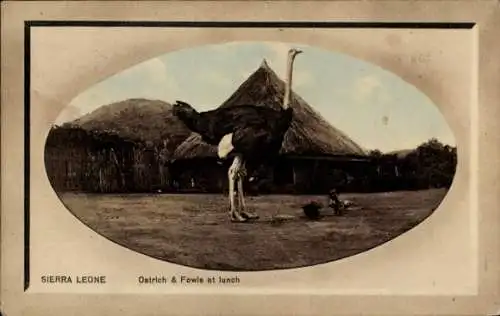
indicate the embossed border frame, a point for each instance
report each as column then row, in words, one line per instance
column 19, row 16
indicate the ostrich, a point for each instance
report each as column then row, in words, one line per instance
column 249, row 134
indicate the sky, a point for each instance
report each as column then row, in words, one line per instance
column 374, row 107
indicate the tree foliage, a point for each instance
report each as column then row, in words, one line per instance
column 431, row 165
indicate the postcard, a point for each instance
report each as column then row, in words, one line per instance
column 248, row 165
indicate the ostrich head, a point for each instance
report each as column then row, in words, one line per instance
column 186, row 113
column 183, row 109
column 294, row 52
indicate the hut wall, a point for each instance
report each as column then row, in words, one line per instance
column 78, row 169
column 302, row 176
column 199, row 175
column 320, row 176
column 289, row 176
column 65, row 167
column 77, row 160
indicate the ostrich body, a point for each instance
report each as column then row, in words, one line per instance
column 252, row 134
column 256, row 132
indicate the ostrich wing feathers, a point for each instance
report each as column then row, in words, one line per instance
column 256, row 142
column 253, row 127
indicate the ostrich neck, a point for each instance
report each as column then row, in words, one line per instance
column 288, row 87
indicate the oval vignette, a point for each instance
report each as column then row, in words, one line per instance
column 353, row 171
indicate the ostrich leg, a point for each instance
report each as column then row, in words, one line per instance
column 241, row 196
column 233, row 176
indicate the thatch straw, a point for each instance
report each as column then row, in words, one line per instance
column 310, row 134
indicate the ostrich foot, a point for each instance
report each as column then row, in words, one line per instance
column 235, row 217
column 248, row 215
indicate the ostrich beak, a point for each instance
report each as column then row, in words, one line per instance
column 298, row 51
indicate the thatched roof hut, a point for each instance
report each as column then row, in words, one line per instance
column 310, row 135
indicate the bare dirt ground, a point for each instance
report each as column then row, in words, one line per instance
column 194, row 229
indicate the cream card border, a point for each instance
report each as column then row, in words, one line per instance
column 485, row 15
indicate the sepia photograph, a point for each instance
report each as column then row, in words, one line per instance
column 255, row 158
column 251, row 156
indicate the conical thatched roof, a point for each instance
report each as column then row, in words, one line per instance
column 310, row 134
